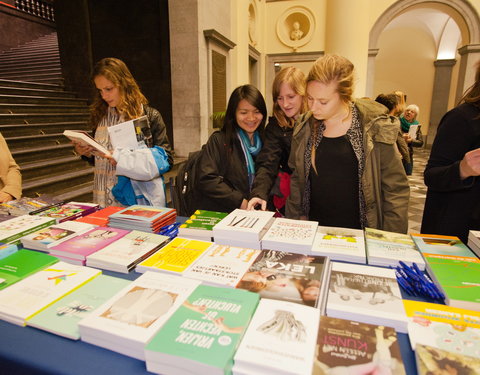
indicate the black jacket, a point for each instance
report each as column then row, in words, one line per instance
column 452, row 206
column 272, row 158
column 222, row 175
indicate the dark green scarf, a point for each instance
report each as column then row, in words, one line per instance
column 405, row 124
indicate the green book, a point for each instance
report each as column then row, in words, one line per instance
column 203, row 333
column 13, row 229
column 21, row 264
column 201, row 223
column 62, row 317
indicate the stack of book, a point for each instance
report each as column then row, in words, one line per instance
column 76, row 249
column 143, row 218
column 289, row 277
column 453, row 267
column 32, row 294
column 295, row 236
column 7, row 249
column 21, row 264
column 100, row 217
column 279, row 340
column 13, row 229
column 366, row 294
column 346, row 344
column 202, row 335
column 128, row 320
column 222, row 265
column 62, row 317
column 389, row 248
column 125, row 253
column 243, row 228
column 175, row 257
column 200, row 225
column 66, row 211
column 25, row 205
column 342, row 244
column 474, row 241
column 46, row 238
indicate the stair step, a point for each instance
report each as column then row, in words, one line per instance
column 31, row 65
column 41, row 100
column 12, row 130
column 78, row 193
column 6, row 90
column 31, row 85
column 20, row 69
column 6, row 118
column 43, row 168
column 16, row 108
column 28, row 141
column 26, row 55
column 32, row 154
column 29, row 60
column 33, row 76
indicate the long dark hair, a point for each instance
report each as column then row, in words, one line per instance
column 252, row 95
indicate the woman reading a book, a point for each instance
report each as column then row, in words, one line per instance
column 10, row 177
column 272, row 176
column 119, row 99
column 346, row 170
column 227, row 161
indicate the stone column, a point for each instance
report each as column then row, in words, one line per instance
column 470, row 55
column 347, row 34
column 372, row 54
column 441, row 91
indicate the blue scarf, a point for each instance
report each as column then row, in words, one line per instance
column 249, row 150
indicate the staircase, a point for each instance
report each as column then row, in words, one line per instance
column 34, row 112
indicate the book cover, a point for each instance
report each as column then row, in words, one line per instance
column 131, row 134
column 457, row 277
column 205, row 331
column 128, row 320
column 200, row 222
column 290, row 235
column 7, row 249
column 343, row 244
column 123, row 254
column 374, row 292
column 22, row 264
column 445, row 327
column 140, row 213
column 280, row 339
column 62, row 317
column 68, row 211
column 349, row 347
column 86, row 243
column 100, row 217
column 244, row 225
column 175, row 257
column 432, row 361
column 222, row 265
column 24, row 205
column 32, row 294
column 441, row 245
column 388, row 248
column 85, row 138
column 13, row 229
column 289, row 277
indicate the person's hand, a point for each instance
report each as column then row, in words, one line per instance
column 244, row 204
column 407, row 138
column 470, row 164
column 5, row 197
column 83, row 149
column 110, row 158
column 254, row 202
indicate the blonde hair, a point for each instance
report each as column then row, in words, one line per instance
column 295, row 78
column 401, row 101
column 332, row 68
column 132, row 99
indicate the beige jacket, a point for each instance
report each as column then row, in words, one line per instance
column 10, row 177
column 385, row 184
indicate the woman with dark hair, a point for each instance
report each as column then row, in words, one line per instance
column 452, row 173
column 227, row 163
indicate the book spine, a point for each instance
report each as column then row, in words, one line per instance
column 40, row 210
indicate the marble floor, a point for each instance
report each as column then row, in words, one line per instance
column 418, row 190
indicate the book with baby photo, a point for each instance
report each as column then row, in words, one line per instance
column 289, row 277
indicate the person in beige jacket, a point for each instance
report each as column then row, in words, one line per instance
column 10, row 177
column 346, row 170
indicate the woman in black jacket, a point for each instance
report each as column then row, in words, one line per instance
column 227, row 161
column 272, row 178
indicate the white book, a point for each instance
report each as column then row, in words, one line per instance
column 342, row 244
column 130, row 134
column 474, row 241
column 123, row 254
column 29, row 296
column 366, row 294
column 280, row 339
column 17, row 227
column 388, row 248
column 83, row 137
column 244, row 225
column 238, row 243
column 44, row 239
column 290, row 235
column 412, row 131
column 222, row 265
column 127, row 321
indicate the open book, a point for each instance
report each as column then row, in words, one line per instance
column 85, row 138
column 131, row 134
column 412, row 131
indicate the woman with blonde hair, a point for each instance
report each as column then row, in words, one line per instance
column 272, row 179
column 117, row 99
column 346, row 171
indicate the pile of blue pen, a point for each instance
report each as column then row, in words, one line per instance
column 169, row 230
column 417, row 283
